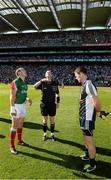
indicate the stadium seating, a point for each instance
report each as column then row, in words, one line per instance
column 63, row 73
column 71, row 38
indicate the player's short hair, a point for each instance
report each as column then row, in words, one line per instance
column 18, row 70
column 48, row 71
column 80, row 69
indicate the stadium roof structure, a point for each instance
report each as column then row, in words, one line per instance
column 39, row 15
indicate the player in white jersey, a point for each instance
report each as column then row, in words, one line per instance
column 89, row 107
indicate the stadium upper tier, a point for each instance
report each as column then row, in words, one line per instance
column 57, row 39
column 39, row 15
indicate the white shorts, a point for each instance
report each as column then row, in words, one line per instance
column 21, row 110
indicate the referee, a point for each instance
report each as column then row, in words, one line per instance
column 49, row 102
column 89, row 107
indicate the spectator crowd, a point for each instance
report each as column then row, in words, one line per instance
column 52, row 39
column 63, row 74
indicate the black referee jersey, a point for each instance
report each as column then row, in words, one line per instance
column 49, row 90
column 87, row 109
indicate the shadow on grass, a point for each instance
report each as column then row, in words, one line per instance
column 5, row 120
column 100, row 150
column 72, row 143
column 67, row 161
column 71, row 162
column 32, row 125
column 29, row 125
column 2, row 136
column 103, row 170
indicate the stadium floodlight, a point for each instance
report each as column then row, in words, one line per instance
column 53, row 10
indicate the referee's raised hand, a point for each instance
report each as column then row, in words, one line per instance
column 44, row 80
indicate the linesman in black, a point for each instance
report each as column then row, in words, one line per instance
column 49, row 102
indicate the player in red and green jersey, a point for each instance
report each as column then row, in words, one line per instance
column 18, row 98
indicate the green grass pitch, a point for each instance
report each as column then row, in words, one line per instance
column 59, row 159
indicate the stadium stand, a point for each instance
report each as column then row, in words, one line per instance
column 100, row 74
column 62, row 62
column 71, row 38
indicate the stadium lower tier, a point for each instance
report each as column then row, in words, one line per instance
column 63, row 73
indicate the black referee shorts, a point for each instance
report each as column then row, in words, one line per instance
column 48, row 109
